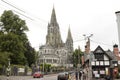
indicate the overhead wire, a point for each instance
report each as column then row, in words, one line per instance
column 36, row 18
column 100, row 43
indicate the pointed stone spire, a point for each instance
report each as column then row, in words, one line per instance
column 53, row 17
column 69, row 41
column 69, row 37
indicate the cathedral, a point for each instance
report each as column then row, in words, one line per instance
column 55, row 51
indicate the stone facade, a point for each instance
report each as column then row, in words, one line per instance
column 55, row 51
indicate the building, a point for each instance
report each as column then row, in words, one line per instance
column 55, row 51
column 99, row 62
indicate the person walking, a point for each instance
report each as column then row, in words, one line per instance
column 76, row 75
column 80, row 74
column 84, row 76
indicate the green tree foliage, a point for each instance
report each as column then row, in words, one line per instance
column 77, row 54
column 4, row 58
column 12, row 23
column 14, row 40
column 47, row 67
column 30, row 54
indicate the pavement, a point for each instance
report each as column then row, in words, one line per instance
column 15, row 77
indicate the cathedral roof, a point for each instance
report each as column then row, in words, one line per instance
column 46, row 47
column 49, row 56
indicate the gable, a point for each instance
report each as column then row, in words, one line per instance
column 99, row 50
column 106, row 57
column 100, row 54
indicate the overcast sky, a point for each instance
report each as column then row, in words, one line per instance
column 95, row 17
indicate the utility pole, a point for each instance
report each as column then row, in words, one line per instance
column 87, row 36
column 87, row 50
column 78, row 56
column 87, row 46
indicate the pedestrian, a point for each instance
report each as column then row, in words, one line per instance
column 80, row 74
column 76, row 75
column 84, row 76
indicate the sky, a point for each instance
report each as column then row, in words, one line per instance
column 87, row 17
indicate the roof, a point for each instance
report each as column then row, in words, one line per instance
column 110, row 54
column 99, row 49
column 46, row 47
column 49, row 56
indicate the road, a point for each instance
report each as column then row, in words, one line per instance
column 46, row 77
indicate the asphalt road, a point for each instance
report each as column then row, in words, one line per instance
column 46, row 77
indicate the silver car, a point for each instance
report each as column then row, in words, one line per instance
column 63, row 76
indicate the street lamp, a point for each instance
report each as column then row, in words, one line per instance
column 8, row 68
column 43, row 63
column 8, row 62
column 87, row 36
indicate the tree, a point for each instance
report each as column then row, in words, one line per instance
column 4, row 58
column 14, row 40
column 77, row 54
column 30, row 54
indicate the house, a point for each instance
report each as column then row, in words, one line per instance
column 99, row 63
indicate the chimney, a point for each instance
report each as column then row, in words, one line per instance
column 87, row 46
column 116, row 50
column 82, row 60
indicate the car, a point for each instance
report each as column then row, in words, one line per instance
column 63, row 76
column 37, row 75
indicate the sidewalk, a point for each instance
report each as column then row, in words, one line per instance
column 15, row 77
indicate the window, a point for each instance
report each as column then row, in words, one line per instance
column 49, row 60
column 93, row 63
column 101, row 63
column 99, row 56
column 97, row 63
column 107, row 63
column 54, row 61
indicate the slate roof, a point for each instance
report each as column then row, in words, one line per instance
column 91, row 55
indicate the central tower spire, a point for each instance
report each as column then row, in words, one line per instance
column 53, row 37
column 53, row 20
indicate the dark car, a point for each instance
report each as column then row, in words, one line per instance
column 63, row 76
column 37, row 75
column 107, row 77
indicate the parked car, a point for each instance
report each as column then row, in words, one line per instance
column 107, row 77
column 63, row 76
column 37, row 75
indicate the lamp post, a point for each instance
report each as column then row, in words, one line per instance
column 8, row 62
column 43, row 63
column 8, row 68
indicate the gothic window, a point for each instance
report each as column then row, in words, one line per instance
column 41, row 61
column 54, row 61
column 57, row 52
column 49, row 61
column 45, row 51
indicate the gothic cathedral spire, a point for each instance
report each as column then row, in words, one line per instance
column 53, row 37
column 69, row 41
column 69, row 37
column 53, row 20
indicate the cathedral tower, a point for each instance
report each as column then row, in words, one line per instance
column 53, row 37
column 69, row 42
